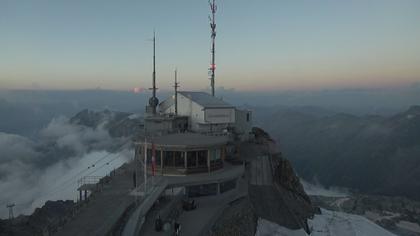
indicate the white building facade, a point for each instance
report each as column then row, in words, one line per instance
column 209, row 114
column 205, row 113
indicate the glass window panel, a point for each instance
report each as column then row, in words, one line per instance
column 168, row 158
column 191, row 159
column 202, row 158
column 202, row 190
column 179, row 159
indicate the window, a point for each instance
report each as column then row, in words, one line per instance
column 158, row 157
column 202, row 190
column 214, row 154
column 168, row 158
column 202, row 158
column 179, row 159
column 149, row 156
column 248, row 116
column 191, row 159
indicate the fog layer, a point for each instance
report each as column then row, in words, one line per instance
column 48, row 167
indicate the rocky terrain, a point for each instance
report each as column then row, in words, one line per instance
column 41, row 222
column 284, row 202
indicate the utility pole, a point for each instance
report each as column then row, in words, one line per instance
column 176, row 86
column 213, row 8
column 10, row 206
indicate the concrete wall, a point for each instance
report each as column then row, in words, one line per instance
column 163, row 126
column 243, row 124
column 219, row 115
column 195, row 112
column 200, row 119
column 154, row 127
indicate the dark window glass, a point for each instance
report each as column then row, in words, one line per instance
column 202, row 190
column 168, row 158
column 149, row 156
column 158, row 158
column 179, row 159
column 191, row 159
column 202, row 158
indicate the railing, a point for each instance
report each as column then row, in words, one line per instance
column 89, row 180
column 151, row 184
column 215, row 133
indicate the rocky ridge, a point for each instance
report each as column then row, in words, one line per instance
column 284, row 202
column 43, row 221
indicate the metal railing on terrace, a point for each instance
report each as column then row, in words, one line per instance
column 88, row 180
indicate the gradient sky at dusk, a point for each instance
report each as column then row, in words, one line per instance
column 261, row 45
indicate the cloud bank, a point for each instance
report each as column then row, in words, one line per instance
column 48, row 167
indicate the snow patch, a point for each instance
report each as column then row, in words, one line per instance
column 410, row 226
column 374, row 216
column 268, row 228
column 343, row 224
column 134, row 116
column 330, row 223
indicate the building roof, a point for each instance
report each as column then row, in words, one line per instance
column 188, row 140
column 166, row 103
column 205, row 99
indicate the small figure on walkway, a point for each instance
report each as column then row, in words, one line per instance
column 134, row 180
column 177, row 228
column 158, row 224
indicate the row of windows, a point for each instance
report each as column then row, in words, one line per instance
column 210, row 189
column 177, row 159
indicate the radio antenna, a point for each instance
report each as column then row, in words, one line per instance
column 154, row 101
column 213, row 8
column 176, row 86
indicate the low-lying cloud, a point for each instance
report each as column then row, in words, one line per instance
column 48, row 167
column 75, row 137
column 319, row 190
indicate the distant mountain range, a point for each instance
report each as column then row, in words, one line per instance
column 372, row 154
column 118, row 124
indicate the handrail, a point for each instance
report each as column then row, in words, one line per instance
column 88, row 180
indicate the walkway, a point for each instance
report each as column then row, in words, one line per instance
column 148, row 198
column 261, row 173
column 104, row 208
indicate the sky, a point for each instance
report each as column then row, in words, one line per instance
column 260, row 45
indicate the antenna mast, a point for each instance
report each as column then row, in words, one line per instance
column 213, row 8
column 154, row 101
column 176, row 86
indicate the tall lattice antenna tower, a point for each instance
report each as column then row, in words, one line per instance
column 213, row 8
